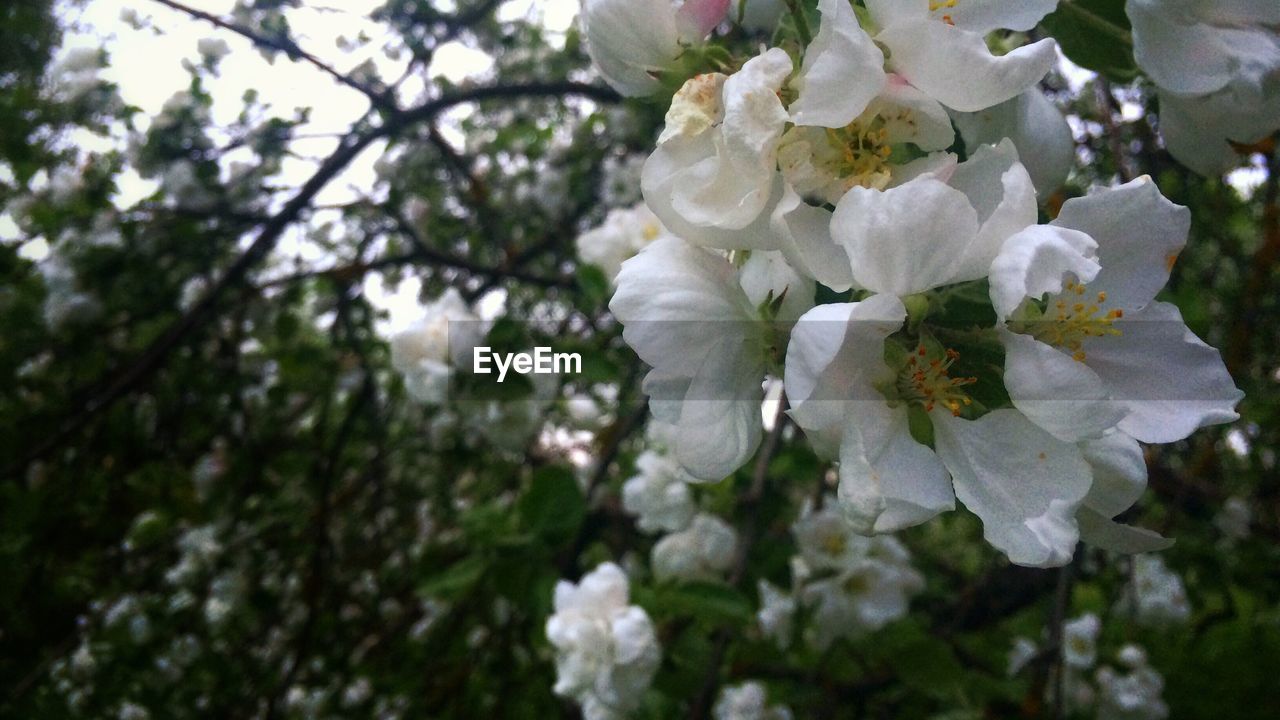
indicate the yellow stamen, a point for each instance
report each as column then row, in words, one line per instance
column 1067, row 326
column 926, row 381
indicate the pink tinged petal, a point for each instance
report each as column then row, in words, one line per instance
column 1107, row 534
column 1119, row 473
column 955, row 67
column 1000, row 190
column 1057, row 393
column 897, row 249
column 1171, row 382
column 888, row 481
column 1039, row 260
column 697, row 18
column 1037, row 129
column 804, row 234
column 628, row 40
column 842, row 73
column 1139, row 235
column 1022, row 482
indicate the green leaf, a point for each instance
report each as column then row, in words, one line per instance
column 455, row 579
column 1095, row 34
column 554, row 506
column 711, row 602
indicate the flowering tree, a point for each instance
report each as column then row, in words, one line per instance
column 640, row 359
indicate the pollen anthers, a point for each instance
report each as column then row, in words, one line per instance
column 926, row 380
column 828, row 162
column 1073, row 316
column 944, row 5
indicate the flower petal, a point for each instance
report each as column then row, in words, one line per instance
column 683, row 162
column 1139, row 235
column 1199, row 131
column 1022, row 482
column 1000, row 189
column 1037, row 129
column 1119, row 473
column 766, row 274
column 804, row 234
column 1171, row 382
column 835, row 358
column 1196, row 58
column 1057, row 393
column 911, row 116
column 896, row 248
column 956, row 68
column 697, row 18
column 842, row 73
column 630, row 39
column 983, row 16
column 1101, row 532
column 1036, row 261
column 888, row 481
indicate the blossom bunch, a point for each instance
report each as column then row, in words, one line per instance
column 938, row 341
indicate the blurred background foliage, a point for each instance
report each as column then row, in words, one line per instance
column 218, row 500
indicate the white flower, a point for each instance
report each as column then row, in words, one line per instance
column 1080, row 641
column 777, row 613
column 1135, row 695
column 703, row 551
column 940, row 47
column 606, row 650
column 859, row 584
column 747, row 702
column 1023, row 483
column 1234, row 518
column 631, row 40
column 213, row 49
column 658, row 495
column 76, row 73
column 714, row 170
column 1217, row 66
column 1071, row 365
column 624, row 233
column 444, row 337
column 1119, row 479
column 1156, row 594
column 714, row 180
column 685, row 313
column 1024, row 650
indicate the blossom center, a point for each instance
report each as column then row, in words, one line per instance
column 1072, row 318
column 828, row 162
column 926, row 381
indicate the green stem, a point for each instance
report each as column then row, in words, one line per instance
column 802, row 22
column 1097, row 22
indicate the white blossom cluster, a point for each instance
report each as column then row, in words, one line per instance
column 835, row 171
column 1133, row 692
column 441, row 339
column 747, row 701
column 1155, row 595
column 624, row 232
column 606, row 650
column 1217, row 69
column 848, row 584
